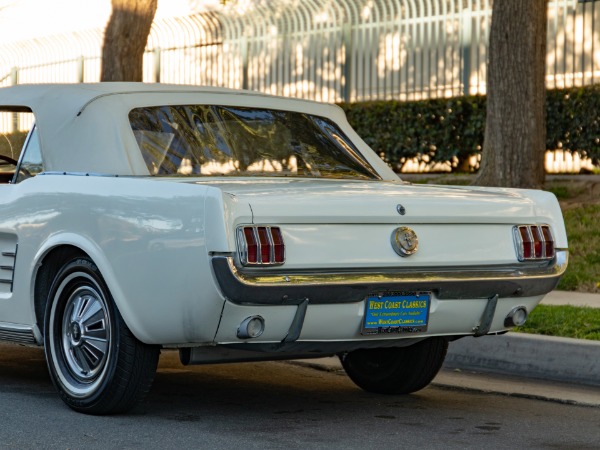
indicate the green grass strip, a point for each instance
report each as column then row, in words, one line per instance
column 583, row 231
column 564, row 321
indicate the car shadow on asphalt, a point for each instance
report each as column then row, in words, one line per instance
column 232, row 391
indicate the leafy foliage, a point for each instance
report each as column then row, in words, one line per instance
column 573, row 120
column 443, row 129
column 439, row 129
column 583, row 271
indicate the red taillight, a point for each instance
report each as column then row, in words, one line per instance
column 278, row 247
column 251, row 246
column 265, row 245
column 526, row 242
column 534, row 242
column 538, row 243
column 549, row 241
column 261, row 246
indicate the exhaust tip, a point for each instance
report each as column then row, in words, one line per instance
column 517, row 317
column 251, row 327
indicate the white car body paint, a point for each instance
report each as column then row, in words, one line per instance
column 154, row 239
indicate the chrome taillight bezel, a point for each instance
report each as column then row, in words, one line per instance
column 537, row 235
column 262, row 236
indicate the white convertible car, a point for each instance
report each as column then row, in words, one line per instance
column 236, row 226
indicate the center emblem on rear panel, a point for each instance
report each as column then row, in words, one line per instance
column 404, row 241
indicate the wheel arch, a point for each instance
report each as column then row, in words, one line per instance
column 94, row 361
column 53, row 255
column 48, row 267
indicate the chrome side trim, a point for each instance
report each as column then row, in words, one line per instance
column 281, row 287
column 17, row 333
column 80, row 174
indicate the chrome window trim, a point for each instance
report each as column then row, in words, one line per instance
column 20, row 161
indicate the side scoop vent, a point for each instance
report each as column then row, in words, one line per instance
column 8, row 259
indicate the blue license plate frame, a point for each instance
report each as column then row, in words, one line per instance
column 396, row 312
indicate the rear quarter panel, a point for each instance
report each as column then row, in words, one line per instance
column 147, row 237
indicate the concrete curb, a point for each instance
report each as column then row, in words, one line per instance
column 567, row 360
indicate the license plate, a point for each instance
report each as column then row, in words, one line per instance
column 396, row 312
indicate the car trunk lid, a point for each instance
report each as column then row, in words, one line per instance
column 334, row 224
column 335, row 201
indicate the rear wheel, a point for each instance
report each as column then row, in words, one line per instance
column 94, row 360
column 396, row 370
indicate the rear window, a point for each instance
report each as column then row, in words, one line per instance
column 205, row 140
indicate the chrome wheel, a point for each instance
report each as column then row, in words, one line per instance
column 80, row 339
column 95, row 362
column 86, row 333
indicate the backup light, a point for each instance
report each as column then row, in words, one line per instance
column 260, row 246
column 516, row 318
column 251, row 327
column 534, row 242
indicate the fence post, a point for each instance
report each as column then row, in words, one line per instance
column 14, row 80
column 80, row 69
column 465, row 42
column 347, row 66
column 14, row 76
column 245, row 78
column 156, row 64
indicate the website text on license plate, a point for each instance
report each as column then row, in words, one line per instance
column 396, row 312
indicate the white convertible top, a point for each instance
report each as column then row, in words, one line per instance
column 36, row 96
column 85, row 127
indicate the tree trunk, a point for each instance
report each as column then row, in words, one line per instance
column 125, row 39
column 515, row 128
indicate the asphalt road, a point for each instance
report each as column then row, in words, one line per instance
column 280, row 405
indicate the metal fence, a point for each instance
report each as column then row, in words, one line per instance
column 332, row 50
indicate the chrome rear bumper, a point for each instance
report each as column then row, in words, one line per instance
column 281, row 287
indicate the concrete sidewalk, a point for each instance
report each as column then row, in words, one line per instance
column 534, row 356
column 572, row 298
column 489, row 382
column 575, row 361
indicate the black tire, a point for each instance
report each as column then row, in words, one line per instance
column 396, row 370
column 95, row 362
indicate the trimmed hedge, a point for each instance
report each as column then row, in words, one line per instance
column 573, row 120
column 452, row 129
